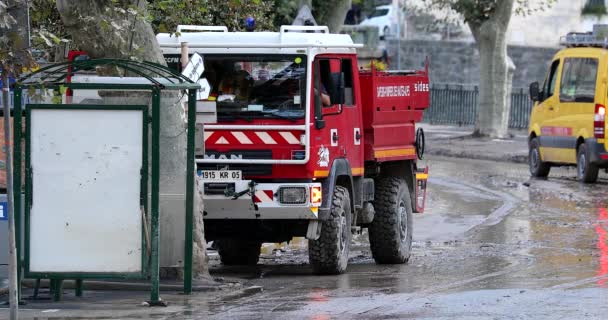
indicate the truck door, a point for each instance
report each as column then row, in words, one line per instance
column 342, row 134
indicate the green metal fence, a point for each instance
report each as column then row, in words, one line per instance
column 457, row 105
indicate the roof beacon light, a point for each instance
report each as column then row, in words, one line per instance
column 597, row 38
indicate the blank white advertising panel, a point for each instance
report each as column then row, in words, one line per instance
column 86, row 182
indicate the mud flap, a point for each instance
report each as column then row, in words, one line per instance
column 422, row 175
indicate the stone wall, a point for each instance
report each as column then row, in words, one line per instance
column 453, row 62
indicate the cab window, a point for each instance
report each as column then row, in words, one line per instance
column 347, row 71
column 336, row 82
column 578, row 80
column 550, row 83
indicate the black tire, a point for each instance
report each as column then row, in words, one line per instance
column 238, row 252
column 329, row 253
column 390, row 233
column 386, row 32
column 585, row 170
column 538, row 168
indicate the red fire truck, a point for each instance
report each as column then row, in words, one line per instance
column 298, row 142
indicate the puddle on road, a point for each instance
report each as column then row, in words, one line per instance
column 555, row 237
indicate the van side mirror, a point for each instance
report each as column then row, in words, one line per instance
column 535, row 93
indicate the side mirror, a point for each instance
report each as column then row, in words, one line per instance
column 535, row 92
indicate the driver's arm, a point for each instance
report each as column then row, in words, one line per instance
column 325, row 99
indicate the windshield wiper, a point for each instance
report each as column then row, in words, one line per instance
column 275, row 113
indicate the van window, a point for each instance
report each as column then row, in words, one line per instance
column 551, row 80
column 379, row 13
column 578, row 80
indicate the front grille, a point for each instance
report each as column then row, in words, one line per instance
column 247, row 169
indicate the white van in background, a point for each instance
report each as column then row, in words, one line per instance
column 383, row 17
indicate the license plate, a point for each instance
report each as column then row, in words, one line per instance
column 220, row 174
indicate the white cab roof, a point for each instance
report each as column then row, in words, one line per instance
column 291, row 39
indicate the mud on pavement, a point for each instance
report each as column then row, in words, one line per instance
column 492, row 244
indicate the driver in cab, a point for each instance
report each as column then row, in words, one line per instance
column 235, row 84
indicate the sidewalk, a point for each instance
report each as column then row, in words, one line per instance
column 453, row 141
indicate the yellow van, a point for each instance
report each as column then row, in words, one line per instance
column 567, row 124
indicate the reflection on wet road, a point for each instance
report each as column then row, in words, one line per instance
column 492, row 244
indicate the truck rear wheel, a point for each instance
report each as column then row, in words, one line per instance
column 390, row 233
column 329, row 254
column 238, row 252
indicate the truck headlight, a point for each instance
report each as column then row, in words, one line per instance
column 293, row 195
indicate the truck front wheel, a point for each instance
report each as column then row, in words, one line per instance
column 329, row 254
column 390, row 233
column 238, row 252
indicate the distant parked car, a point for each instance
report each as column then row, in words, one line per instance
column 381, row 17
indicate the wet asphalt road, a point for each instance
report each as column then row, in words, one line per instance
column 493, row 244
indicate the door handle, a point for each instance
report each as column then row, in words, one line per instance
column 334, row 137
column 550, row 108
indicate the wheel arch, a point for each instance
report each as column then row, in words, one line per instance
column 404, row 169
column 340, row 174
column 580, row 140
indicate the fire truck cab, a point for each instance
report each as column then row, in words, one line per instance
column 299, row 142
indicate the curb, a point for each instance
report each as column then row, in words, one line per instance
column 522, row 159
column 124, row 286
column 245, row 292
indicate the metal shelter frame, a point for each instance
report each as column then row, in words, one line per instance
column 159, row 78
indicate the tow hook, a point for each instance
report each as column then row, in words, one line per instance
column 236, row 195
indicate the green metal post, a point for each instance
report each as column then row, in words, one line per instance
column 190, row 172
column 58, row 291
column 17, row 181
column 79, row 285
column 36, row 288
column 155, row 230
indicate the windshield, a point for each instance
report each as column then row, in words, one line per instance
column 254, row 87
column 378, row 13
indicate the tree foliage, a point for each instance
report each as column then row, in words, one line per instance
column 165, row 15
column 476, row 12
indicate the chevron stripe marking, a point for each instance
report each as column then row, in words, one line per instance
column 265, row 137
column 208, row 134
column 241, row 137
column 289, row 137
column 263, row 196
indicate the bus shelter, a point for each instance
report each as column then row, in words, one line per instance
column 91, row 169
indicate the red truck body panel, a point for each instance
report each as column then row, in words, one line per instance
column 392, row 104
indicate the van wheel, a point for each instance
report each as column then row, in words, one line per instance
column 329, row 253
column 585, row 171
column 538, row 168
column 238, row 252
column 390, row 233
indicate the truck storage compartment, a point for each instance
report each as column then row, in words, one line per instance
column 391, row 110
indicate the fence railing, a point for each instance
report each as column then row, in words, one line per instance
column 10, row 100
column 457, row 105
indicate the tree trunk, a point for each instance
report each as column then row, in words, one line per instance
column 124, row 36
column 334, row 19
column 495, row 65
column 302, row 3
